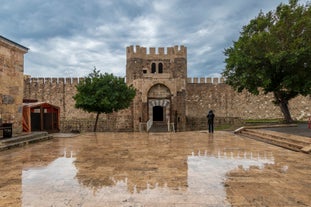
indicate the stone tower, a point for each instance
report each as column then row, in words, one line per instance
column 160, row 78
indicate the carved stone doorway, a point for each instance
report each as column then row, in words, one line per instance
column 159, row 103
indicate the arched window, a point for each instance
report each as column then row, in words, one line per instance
column 153, row 68
column 160, row 67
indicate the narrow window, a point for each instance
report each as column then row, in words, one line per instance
column 153, row 68
column 160, row 67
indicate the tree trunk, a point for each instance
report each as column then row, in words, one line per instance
column 285, row 111
column 95, row 126
column 283, row 104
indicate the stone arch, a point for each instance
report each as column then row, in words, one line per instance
column 159, row 91
column 159, row 101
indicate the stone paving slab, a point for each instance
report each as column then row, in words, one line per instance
column 155, row 169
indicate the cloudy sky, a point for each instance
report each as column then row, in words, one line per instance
column 70, row 37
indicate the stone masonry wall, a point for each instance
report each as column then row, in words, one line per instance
column 60, row 92
column 202, row 95
column 212, row 94
column 11, row 84
column 138, row 62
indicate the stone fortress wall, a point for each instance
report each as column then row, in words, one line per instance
column 202, row 95
column 60, row 92
column 188, row 102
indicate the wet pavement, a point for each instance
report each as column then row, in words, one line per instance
column 160, row 169
column 300, row 129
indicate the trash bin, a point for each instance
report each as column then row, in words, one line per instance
column 7, row 132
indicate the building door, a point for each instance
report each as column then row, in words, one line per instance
column 159, row 103
column 158, row 113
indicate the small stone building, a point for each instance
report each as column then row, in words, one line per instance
column 11, row 82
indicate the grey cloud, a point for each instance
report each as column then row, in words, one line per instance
column 71, row 37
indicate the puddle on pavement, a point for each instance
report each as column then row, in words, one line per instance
column 126, row 178
column 138, row 169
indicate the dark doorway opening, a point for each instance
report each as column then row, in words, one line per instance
column 35, row 121
column 157, row 113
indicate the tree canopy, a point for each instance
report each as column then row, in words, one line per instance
column 103, row 93
column 273, row 54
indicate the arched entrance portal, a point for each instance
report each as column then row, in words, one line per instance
column 159, row 103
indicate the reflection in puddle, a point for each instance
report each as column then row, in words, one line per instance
column 48, row 184
column 207, row 173
column 57, row 184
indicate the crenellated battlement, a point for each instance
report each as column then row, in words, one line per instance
column 76, row 80
column 51, row 80
column 206, row 80
column 153, row 52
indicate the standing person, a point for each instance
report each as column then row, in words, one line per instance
column 210, row 120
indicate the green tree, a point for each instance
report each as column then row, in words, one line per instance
column 273, row 54
column 103, row 93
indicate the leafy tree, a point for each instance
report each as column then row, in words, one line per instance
column 273, row 54
column 103, row 93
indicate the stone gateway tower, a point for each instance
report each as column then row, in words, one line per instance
column 160, row 77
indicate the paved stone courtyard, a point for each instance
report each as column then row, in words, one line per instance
column 160, row 169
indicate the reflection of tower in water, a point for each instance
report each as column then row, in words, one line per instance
column 200, row 174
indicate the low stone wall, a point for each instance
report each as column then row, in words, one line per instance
column 83, row 125
column 200, row 123
column 114, row 122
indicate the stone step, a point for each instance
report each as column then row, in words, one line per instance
column 159, row 124
column 159, row 127
column 292, row 142
column 23, row 137
column 283, row 136
column 24, row 140
column 273, row 141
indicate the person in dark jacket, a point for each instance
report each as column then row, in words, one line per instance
column 210, row 120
